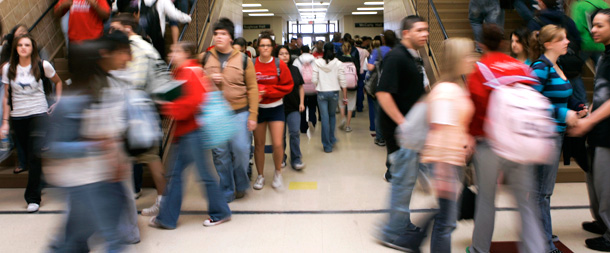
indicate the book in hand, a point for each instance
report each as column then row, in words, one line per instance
column 170, row 91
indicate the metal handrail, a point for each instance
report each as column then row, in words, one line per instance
column 42, row 16
column 438, row 33
column 438, row 18
column 193, row 8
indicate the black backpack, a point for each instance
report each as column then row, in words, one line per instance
column 47, row 87
column 149, row 20
column 570, row 63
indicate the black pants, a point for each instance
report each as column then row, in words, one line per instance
column 30, row 134
column 311, row 103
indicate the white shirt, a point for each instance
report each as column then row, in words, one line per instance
column 28, row 94
column 167, row 8
column 328, row 77
column 252, row 51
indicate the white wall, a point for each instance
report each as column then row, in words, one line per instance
column 394, row 11
column 278, row 26
column 347, row 24
column 232, row 9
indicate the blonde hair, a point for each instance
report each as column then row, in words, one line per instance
column 548, row 33
column 346, row 48
column 376, row 44
column 455, row 51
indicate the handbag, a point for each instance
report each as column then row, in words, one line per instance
column 413, row 132
column 216, row 120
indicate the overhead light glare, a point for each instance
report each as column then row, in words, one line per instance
column 312, row 4
column 255, row 10
column 370, row 8
column 373, row 3
column 260, row 14
column 314, row 9
column 251, row 5
column 362, row 13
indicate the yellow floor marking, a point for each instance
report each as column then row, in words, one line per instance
column 303, row 186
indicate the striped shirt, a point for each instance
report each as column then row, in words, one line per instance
column 555, row 88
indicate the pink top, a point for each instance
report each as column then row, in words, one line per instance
column 451, row 109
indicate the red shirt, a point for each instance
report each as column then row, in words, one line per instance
column 84, row 22
column 184, row 108
column 318, row 55
column 274, row 88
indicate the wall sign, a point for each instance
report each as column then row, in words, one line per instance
column 379, row 24
column 258, row 26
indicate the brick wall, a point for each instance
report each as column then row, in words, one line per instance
column 47, row 33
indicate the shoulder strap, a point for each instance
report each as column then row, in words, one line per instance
column 379, row 57
column 206, row 56
column 244, row 59
column 254, row 61
column 277, row 66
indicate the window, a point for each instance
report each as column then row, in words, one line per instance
column 320, row 28
column 306, row 28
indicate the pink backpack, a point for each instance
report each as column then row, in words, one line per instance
column 351, row 75
column 307, row 73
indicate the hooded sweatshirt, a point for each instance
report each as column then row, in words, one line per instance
column 328, row 76
column 581, row 11
column 274, row 87
column 551, row 16
column 167, row 8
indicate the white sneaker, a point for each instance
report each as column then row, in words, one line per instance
column 298, row 166
column 32, row 207
column 260, row 182
column 311, row 127
column 342, row 125
column 153, row 210
column 278, row 181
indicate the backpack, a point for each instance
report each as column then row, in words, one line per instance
column 143, row 131
column 47, row 87
column 570, row 62
column 413, row 133
column 519, row 125
column 149, row 20
column 351, row 75
column 370, row 85
column 307, row 73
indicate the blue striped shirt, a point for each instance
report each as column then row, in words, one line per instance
column 555, row 88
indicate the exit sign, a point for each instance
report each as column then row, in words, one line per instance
column 310, row 22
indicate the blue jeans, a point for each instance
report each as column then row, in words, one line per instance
column 480, row 11
column 404, row 168
column 546, row 174
column 232, row 159
column 374, row 118
column 360, row 94
column 327, row 104
column 293, row 123
column 189, row 149
column 93, row 208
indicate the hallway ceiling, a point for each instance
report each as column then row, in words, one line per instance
column 288, row 9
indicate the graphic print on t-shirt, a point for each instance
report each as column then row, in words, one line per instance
column 23, row 85
column 80, row 6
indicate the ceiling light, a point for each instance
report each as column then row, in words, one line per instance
column 373, row 3
column 362, row 13
column 314, row 9
column 255, row 10
column 310, row 4
column 370, row 8
column 260, row 14
column 251, row 5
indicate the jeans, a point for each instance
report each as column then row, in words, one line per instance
column 311, row 102
column 480, row 11
column 30, row 133
column 189, row 149
column 546, row 174
column 599, row 186
column 327, row 104
column 232, row 159
column 138, row 172
column 374, row 117
column 405, row 167
column 293, row 122
column 524, row 9
column 93, row 208
column 360, row 93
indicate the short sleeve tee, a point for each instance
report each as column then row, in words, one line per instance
column 28, row 94
column 84, row 22
column 374, row 53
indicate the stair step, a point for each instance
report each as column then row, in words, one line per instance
column 460, row 23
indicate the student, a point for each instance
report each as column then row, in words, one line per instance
column 519, row 46
column 329, row 77
column 581, row 12
column 273, row 86
column 188, row 146
column 25, row 99
column 349, row 101
column 318, row 51
column 304, row 64
column 293, row 106
column 484, row 11
column 164, row 8
column 86, row 18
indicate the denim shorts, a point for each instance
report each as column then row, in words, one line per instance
column 271, row 114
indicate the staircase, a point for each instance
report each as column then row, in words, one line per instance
column 449, row 18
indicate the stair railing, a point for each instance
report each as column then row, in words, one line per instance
column 427, row 10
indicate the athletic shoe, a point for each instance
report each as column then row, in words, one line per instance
column 599, row 244
column 153, row 223
column 33, row 207
column 211, row 223
column 348, row 129
column 593, row 227
column 342, row 125
column 239, row 195
column 260, row 182
column 137, row 195
column 154, row 209
column 284, row 161
column 380, row 143
column 298, row 166
column 277, row 181
column 312, row 128
column 555, row 251
column 555, row 238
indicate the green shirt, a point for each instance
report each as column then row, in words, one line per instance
column 581, row 11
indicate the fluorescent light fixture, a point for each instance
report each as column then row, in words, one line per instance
column 310, row 4
column 255, row 10
column 373, row 3
column 314, row 9
column 370, row 8
column 260, row 14
column 251, row 5
column 362, row 13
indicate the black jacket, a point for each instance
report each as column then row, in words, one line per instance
column 600, row 135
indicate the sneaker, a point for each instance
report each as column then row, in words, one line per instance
column 555, row 251
column 593, row 227
column 373, row 134
column 599, row 244
column 387, row 176
column 328, row 150
column 33, row 207
column 380, row 143
column 278, row 181
column 342, row 125
column 284, row 161
column 211, row 223
column 298, row 166
column 137, row 195
column 154, row 224
column 239, row 195
column 260, row 182
column 348, row 129
column 153, row 210
column 555, row 238
column 312, row 128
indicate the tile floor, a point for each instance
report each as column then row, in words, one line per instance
column 341, row 215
